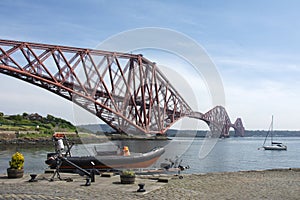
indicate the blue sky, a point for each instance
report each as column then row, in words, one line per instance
column 255, row 46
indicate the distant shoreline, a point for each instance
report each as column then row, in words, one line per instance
column 10, row 139
column 32, row 141
column 78, row 140
column 47, row 141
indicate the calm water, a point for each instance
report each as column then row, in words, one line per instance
column 230, row 154
column 235, row 154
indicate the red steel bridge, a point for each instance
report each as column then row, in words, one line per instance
column 126, row 91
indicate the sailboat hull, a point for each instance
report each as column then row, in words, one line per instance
column 276, row 147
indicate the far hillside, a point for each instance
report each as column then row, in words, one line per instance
column 34, row 123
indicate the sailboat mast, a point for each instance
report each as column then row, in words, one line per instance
column 272, row 130
column 269, row 132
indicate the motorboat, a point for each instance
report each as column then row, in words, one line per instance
column 101, row 160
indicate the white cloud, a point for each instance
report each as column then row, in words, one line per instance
column 255, row 105
column 259, row 83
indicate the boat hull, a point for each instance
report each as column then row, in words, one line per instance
column 139, row 160
column 276, row 148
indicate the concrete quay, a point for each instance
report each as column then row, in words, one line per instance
column 73, row 186
column 266, row 184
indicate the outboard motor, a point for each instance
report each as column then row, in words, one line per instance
column 51, row 160
column 59, row 145
column 58, row 140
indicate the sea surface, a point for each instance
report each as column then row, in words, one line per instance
column 227, row 155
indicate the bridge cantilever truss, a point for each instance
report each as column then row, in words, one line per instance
column 219, row 122
column 126, row 91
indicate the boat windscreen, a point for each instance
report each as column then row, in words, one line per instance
column 276, row 142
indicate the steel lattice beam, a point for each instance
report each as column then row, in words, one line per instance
column 239, row 128
column 219, row 122
column 126, row 91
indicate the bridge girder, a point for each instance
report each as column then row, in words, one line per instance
column 126, row 91
column 239, row 128
column 219, row 122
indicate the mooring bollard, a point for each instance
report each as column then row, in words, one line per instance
column 141, row 187
column 33, row 176
column 93, row 175
column 88, row 182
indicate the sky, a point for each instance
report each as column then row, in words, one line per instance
column 255, row 46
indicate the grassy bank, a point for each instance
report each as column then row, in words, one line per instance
column 34, row 123
column 33, row 129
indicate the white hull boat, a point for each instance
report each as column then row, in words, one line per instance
column 274, row 145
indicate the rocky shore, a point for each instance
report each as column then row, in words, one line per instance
column 268, row 184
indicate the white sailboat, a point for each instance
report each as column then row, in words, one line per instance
column 274, row 145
